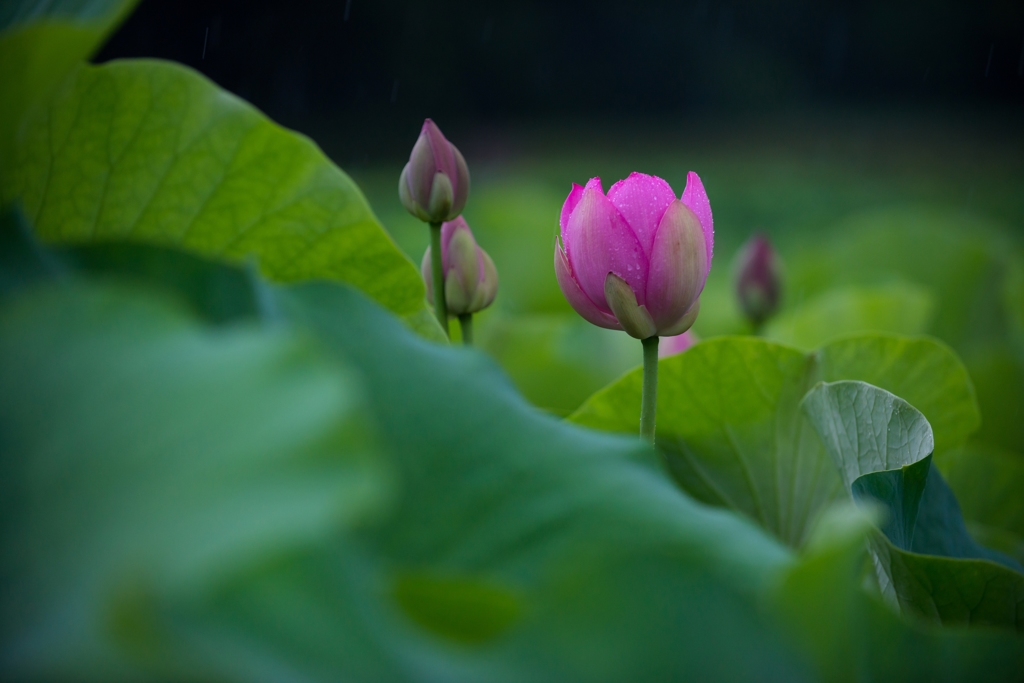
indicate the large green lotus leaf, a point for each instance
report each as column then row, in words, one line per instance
column 926, row 560
column 41, row 42
column 988, row 483
column 853, row 636
column 144, row 454
column 897, row 309
column 151, row 152
column 590, row 540
column 730, row 426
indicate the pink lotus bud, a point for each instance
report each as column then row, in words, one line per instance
column 672, row 346
column 434, row 185
column 637, row 258
column 758, row 279
column 470, row 278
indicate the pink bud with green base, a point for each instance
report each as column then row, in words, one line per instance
column 434, row 185
column 470, row 278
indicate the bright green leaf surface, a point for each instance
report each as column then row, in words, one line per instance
column 151, row 152
column 927, row 561
column 897, row 309
column 730, row 425
column 142, row 452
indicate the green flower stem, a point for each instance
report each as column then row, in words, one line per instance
column 649, row 398
column 440, row 307
column 466, row 323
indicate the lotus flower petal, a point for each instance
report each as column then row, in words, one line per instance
column 579, row 301
column 598, row 241
column 679, row 266
column 642, row 200
column 697, row 200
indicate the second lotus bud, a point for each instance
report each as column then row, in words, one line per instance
column 470, row 278
column 758, row 279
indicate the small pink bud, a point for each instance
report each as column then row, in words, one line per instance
column 470, row 278
column 758, row 279
column 637, row 258
column 434, row 185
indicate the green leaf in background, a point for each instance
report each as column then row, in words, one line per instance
column 971, row 268
column 151, row 152
column 142, row 452
column 927, row 561
column 988, row 483
column 41, row 42
column 960, row 259
column 897, row 309
column 730, row 426
column 556, row 361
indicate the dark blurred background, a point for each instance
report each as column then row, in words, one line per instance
column 389, row 63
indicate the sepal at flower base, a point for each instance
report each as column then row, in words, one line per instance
column 634, row 318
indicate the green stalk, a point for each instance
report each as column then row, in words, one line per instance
column 466, row 323
column 649, row 398
column 440, row 307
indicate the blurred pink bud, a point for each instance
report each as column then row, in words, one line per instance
column 671, row 346
column 637, row 258
column 758, row 279
column 470, row 278
column 434, row 185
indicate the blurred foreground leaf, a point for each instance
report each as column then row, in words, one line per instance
column 143, row 453
column 591, row 540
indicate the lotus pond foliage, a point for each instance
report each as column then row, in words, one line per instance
column 237, row 444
